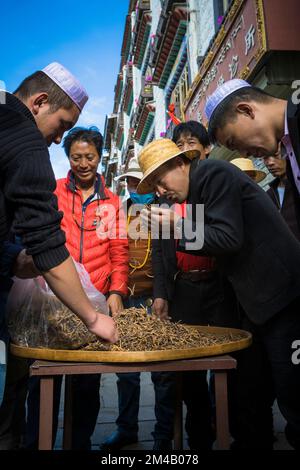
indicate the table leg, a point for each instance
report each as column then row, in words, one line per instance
column 46, row 413
column 67, row 436
column 178, row 442
column 222, row 423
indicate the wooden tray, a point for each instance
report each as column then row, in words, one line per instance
column 138, row 356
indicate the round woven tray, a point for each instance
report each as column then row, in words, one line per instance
column 139, row 356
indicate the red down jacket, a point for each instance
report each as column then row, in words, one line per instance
column 95, row 233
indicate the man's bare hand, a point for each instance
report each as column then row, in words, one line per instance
column 160, row 219
column 24, row 266
column 105, row 327
column 160, row 308
column 115, row 304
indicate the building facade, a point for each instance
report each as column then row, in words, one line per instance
column 175, row 53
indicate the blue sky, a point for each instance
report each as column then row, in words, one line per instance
column 86, row 37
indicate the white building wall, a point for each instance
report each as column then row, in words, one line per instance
column 160, row 112
column 201, row 29
column 126, row 127
column 158, row 93
column 137, row 84
column 155, row 6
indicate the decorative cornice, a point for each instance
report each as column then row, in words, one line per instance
column 177, row 18
column 142, row 38
column 148, row 108
column 126, row 41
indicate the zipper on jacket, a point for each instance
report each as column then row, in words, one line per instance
column 81, row 233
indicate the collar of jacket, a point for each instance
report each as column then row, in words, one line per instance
column 194, row 165
column 99, row 188
column 17, row 105
column 293, row 118
column 274, row 183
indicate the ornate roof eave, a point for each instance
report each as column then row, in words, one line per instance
column 120, row 137
column 173, row 54
column 148, row 108
column 142, row 38
column 118, row 91
column 132, row 5
column 128, row 94
column 177, row 18
column 126, row 41
column 109, row 129
column 167, row 7
column 127, row 88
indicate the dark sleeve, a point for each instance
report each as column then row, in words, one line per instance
column 222, row 230
column 159, row 288
column 8, row 257
column 29, row 183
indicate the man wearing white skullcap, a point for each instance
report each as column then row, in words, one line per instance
column 43, row 107
column 249, row 120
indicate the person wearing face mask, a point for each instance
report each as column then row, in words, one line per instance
column 140, row 295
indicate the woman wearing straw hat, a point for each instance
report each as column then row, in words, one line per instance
column 253, row 246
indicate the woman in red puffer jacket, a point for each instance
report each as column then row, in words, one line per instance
column 96, row 237
column 95, row 231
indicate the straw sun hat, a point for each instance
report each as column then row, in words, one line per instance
column 155, row 155
column 246, row 165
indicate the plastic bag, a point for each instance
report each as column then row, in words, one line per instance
column 36, row 318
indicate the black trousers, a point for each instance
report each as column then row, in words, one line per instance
column 278, row 336
column 85, row 408
column 265, row 371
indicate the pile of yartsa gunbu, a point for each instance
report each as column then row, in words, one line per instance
column 138, row 331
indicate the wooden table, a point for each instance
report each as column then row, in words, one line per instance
column 47, row 370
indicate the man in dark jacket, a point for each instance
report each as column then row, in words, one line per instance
column 13, row 388
column 283, row 193
column 253, row 246
column 247, row 119
column 189, row 288
column 43, row 107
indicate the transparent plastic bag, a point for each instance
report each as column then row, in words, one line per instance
column 36, row 318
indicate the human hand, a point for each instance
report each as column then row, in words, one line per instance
column 24, row 267
column 160, row 219
column 160, row 308
column 105, row 327
column 115, row 304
